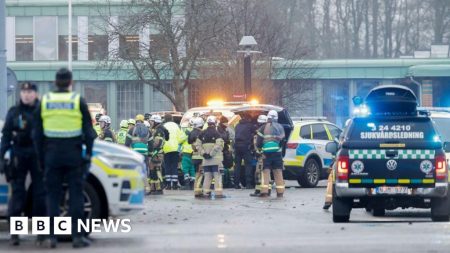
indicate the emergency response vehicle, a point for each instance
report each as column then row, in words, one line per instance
column 306, row 159
column 114, row 186
column 391, row 158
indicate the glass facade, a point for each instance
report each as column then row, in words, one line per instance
column 24, row 38
column 97, row 39
column 130, row 99
column 63, row 38
column 96, row 92
column 45, row 38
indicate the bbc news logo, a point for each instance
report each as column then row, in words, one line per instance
column 63, row 225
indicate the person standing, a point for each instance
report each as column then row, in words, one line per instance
column 186, row 158
column 262, row 119
column 270, row 140
column 171, row 154
column 106, row 133
column 245, row 129
column 63, row 125
column 197, row 158
column 210, row 145
column 16, row 137
column 122, row 134
column 227, row 134
column 97, row 127
column 159, row 136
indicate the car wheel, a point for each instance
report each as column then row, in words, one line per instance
column 92, row 205
column 341, row 208
column 440, row 209
column 311, row 174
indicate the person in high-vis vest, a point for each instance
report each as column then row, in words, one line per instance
column 210, row 144
column 62, row 126
column 186, row 159
column 171, row 154
column 97, row 127
column 270, row 140
column 122, row 134
column 138, row 139
column 197, row 158
column 106, row 134
column 262, row 119
column 159, row 136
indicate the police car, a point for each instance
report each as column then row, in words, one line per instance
column 392, row 158
column 306, row 159
column 114, row 186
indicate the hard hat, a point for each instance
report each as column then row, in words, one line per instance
column 131, row 122
column 272, row 115
column 105, row 118
column 146, row 124
column 147, row 116
column 211, row 119
column 140, row 117
column 198, row 122
column 97, row 116
column 156, row 118
column 123, row 124
column 262, row 119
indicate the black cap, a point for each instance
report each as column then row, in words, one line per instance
column 63, row 77
column 28, row 86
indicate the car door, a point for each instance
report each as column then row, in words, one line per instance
column 333, row 134
column 321, row 137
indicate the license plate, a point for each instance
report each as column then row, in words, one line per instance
column 387, row 190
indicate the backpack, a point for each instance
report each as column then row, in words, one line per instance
column 142, row 132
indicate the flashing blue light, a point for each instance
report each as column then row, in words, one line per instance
column 436, row 138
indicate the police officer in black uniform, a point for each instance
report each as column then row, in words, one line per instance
column 63, row 125
column 17, row 138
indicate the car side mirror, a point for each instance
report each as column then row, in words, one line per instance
column 447, row 147
column 331, row 147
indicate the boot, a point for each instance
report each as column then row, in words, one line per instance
column 256, row 193
column 40, row 240
column 51, row 242
column 263, row 195
column 191, row 184
column 80, row 242
column 326, row 206
column 279, row 195
column 14, row 240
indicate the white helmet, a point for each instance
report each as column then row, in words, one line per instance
column 262, row 119
column 197, row 122
column 273, row 115
column 156, row 118
column 211, row 119
column 147, row 124
column 105, row 118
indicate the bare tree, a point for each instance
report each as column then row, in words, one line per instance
column 168, row 60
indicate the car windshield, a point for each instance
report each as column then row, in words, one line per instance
column 442, row 126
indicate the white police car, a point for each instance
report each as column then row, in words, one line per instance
column 114, row 186
column 306, row 159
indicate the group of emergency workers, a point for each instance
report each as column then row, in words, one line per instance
column 206, row 149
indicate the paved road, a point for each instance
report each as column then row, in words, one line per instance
column 176, row 222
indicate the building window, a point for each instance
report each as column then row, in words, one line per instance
column 129, row 46
column 63, row 38
column 158, row 47
column 130, row 99
column 96, row 93
column 24, row 38
column 97, row 39
column 45, row 38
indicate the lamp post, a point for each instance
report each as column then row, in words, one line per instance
column 247, row 42
column 3, row 82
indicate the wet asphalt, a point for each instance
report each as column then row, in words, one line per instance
column 176, row 222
